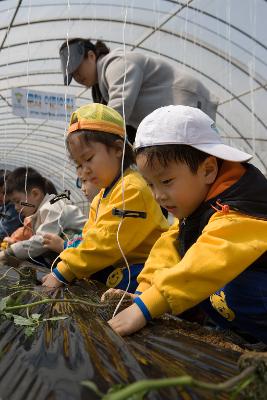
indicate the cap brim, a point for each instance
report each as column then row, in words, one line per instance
column 71, row 58
column 224, row 152
column 67, row 79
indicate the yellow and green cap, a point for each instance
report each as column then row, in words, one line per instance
column 97, row 117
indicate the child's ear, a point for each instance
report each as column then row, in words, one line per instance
column 119, row 148
column 210, row 169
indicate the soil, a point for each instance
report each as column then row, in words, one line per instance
column 207, row 335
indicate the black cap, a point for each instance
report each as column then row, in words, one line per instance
column 71, row 57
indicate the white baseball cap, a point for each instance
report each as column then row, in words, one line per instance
column 185, row 125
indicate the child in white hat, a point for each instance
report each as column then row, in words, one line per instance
column 217, row 256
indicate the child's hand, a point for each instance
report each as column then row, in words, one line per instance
column 113, row 294
column 50, row 281
column 8, row 240
column 53, row 242
column 128, row 321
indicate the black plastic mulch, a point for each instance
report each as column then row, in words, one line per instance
column 51, row 363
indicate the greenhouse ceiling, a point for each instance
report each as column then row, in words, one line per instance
column 221, row 42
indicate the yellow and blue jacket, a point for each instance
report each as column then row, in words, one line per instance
column 136, row 231
column 225, row 236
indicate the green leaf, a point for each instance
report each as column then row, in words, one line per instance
column 19, row 320
column 91, row 385
column 29, row 330
column 35, row 317
column 116, row 388
column 8, row 315
column 3, row 303
column 8, row 301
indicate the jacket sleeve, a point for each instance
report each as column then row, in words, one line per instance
column 163, row 255
column 9, row 222
column 51, row 223
column 228, row 245
column 99, row 248
column 118, row 89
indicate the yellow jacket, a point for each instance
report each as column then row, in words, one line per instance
column 163, row 255
column 99, row 248
column 228, row 244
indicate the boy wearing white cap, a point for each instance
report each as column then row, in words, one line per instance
column 217, row 256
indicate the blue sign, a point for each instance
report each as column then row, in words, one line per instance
column 42, row 105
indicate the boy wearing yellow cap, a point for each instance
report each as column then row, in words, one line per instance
column 217, row 257
column 124, row 219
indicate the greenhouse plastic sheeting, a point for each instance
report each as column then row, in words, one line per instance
column 222, row 43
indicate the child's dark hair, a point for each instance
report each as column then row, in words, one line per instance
column 50, row 187
column 16, row 181
column 3, row 176
column 108, row 139
column 175, row 152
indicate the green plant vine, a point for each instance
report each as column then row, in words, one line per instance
column 137, row 390
column 8, row 306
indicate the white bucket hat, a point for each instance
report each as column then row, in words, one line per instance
column 185, row 125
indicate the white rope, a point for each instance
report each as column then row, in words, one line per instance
column 252, row 70
column 27, row 92
column 66, row 119
column 65, row 133
column 122, row 171
column 5, row 135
